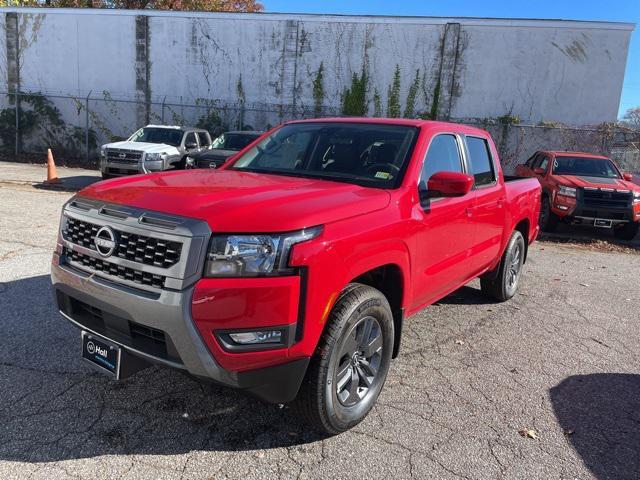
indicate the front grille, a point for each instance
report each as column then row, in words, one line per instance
column 124, row 331
column 215, row 160
column 603, row 199
column 114, row 270
column 136, row 248
column 123, row 156
column 149, row 334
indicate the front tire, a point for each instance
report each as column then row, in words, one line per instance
column 628, row 231
column 548, row 220
column 504, row 286
column 348, row 371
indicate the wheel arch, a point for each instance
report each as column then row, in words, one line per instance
column 524, row 227
column 389, row 280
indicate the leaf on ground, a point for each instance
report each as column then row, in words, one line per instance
column 568, row 431
column 528, row 433
column 459, row 342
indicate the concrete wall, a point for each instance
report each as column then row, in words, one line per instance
column 564, row 71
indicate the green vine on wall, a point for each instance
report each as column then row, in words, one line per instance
column 393, row 95
column 241, row 100
column 41, row 121
column 377, row 104
column 318, row 91
column 410, row 105
column 354, row 98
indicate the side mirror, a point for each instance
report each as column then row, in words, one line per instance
column 190, row 145
column 449, row 184
column 628, row 177
column 539, row 171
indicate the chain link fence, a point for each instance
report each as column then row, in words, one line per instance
column 75, row 127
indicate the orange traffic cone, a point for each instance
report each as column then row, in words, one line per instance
column 52, row 176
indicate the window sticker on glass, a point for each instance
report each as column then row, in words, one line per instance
column 383, row 175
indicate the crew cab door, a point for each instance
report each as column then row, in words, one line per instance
column 444, row 236
column 488, row 212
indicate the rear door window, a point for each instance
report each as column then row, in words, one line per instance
column 480, row 161
column 204, row 139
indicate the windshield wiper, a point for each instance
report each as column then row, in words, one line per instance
column 336, row 176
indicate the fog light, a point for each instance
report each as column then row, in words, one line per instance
column 252, row 338
column 266, row 338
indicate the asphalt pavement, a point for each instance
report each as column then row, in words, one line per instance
column 475, row 381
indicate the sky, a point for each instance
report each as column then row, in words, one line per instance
column 609, row 10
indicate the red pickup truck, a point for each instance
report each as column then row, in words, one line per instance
column 586, row 189
column 290, row 271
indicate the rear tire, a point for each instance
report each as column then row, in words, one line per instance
column 548, row 220
column 351, row 362
column 504, row 286
column 628, row 231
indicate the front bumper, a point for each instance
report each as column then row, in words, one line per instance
column 577, row 210
column 159, row 327
column 121, row 169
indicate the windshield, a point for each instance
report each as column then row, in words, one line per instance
column 170, row 136
column 584, row 166
column 233, row 141
column 365, row 154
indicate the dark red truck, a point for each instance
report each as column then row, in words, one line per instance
column 585, row 189
column 289, row 272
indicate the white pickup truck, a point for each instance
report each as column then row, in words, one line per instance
column 153, row 148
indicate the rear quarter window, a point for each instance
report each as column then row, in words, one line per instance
column 480, row 161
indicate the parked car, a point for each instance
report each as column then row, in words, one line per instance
column 586, row 189
column 153, row 148
column 291, row 272
column 222, row 148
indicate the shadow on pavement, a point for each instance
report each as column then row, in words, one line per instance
column 54, row 406
column 70, row 184
column 588, row 236
column 466, row 296
column 603, row 412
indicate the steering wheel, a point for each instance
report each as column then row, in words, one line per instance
column 383, row 167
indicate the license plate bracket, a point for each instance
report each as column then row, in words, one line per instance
column 602, row 223
column 109, row 357
column 101, row 353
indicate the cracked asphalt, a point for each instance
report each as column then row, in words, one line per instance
column 561, row 358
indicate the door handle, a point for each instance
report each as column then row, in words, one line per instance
column 469, row 211
column 500, row 202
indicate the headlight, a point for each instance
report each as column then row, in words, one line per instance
column 154, row 157
column 253, row 255
column 103, row 151
column 636, row 197
column 567, row 191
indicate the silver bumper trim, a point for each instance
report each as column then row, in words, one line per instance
column 169, row 312
column 140, row 353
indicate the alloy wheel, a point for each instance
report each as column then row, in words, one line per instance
column 515, row 265
column 360, row 357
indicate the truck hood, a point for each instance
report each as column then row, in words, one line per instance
column 232, row 201
column 143, row 146
column 214, row 153
column 595, row 182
